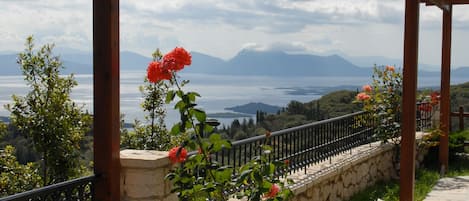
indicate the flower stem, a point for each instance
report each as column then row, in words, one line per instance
column 198, row 138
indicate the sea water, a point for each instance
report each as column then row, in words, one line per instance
column 218, row 91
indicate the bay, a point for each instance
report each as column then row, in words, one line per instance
column 218, row 92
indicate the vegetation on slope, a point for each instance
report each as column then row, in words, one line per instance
column 296, row 113
column 425, row 178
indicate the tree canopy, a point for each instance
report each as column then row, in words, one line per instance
column 47, row 115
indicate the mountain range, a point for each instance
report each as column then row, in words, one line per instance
column 246, row 62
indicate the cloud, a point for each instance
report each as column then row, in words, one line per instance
column 294, row 47
column 68, row 22
column 275, row 16
column 220, row 27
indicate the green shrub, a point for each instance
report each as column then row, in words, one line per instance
column 15, row 177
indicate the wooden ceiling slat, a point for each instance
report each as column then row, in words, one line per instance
column 444, row 2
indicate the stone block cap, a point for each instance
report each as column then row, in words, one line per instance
column 146, row 159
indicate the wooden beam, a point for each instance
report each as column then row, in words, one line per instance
column 442, row 4
column 445, row 109
column 106, row 99
column 407, row 161
column 450, row 2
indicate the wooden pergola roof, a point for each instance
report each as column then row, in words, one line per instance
column 106, row 94
column 411, row 36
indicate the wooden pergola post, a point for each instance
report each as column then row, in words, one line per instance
column 409, row 101
column 445, row 89
column 106, row 99
column 445, row 109
column 407, row 162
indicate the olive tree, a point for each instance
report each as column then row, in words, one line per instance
column 47, row 115
column 15, row 177
column 150, row 134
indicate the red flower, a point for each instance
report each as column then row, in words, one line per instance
column 156, row 72
column 274, row 189
column 390, row 68
column 177, row 154
column 435, row 98
column 363, row 96
column 177, row 59
column 367, row 88
column 425, row 107
column 287, row 162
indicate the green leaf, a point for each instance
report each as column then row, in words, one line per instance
column 218, row 143
column 180, row 93
column 192, row 96
column 270, row 169
column 184, row 82
column 258, row 177
column 170, row 96
column 180, row 105
column 208, row 128
column 215, row 138
column 244, row 175
column 223, row 175
column 176, row 129
column 200, row 115
column 170, row 176
column 266, row 185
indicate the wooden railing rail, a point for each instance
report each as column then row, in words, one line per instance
column 461, row 115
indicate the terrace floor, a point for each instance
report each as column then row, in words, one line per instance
column 450, row 189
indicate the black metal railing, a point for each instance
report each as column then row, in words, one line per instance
column 304, row 145
column 424, row 116
column 80, row 189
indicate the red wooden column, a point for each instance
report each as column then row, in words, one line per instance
column 106, row 99
column 411, row 38
column 445, row 88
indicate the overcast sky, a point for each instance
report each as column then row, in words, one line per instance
column 223, row 28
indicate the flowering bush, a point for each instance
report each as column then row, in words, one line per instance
column 382, row 99
column 198, row 177
column 429, row 101
column 428, row 108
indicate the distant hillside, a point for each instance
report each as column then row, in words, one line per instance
column 252, row 108
column 4, row 119
column 8, row 65
column 202, row 63
column 245, row 63
column 276, row 63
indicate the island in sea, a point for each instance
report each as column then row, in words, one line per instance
column 253, row 108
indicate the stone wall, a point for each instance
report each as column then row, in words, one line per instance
column 342, row 182
column 142, row 176
column 143, row 172
column 352, row 175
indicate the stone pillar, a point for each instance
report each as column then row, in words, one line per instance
column 142, row 176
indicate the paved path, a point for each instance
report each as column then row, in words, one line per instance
column 450, row 189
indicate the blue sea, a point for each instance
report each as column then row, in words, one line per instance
column 218, row 92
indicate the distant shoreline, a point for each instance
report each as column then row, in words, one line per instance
column 228, row 115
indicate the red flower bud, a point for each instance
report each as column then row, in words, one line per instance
column 367, row 88
column 390, row 68
column 177, row 154
column 274, row 189
column 363, row 96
